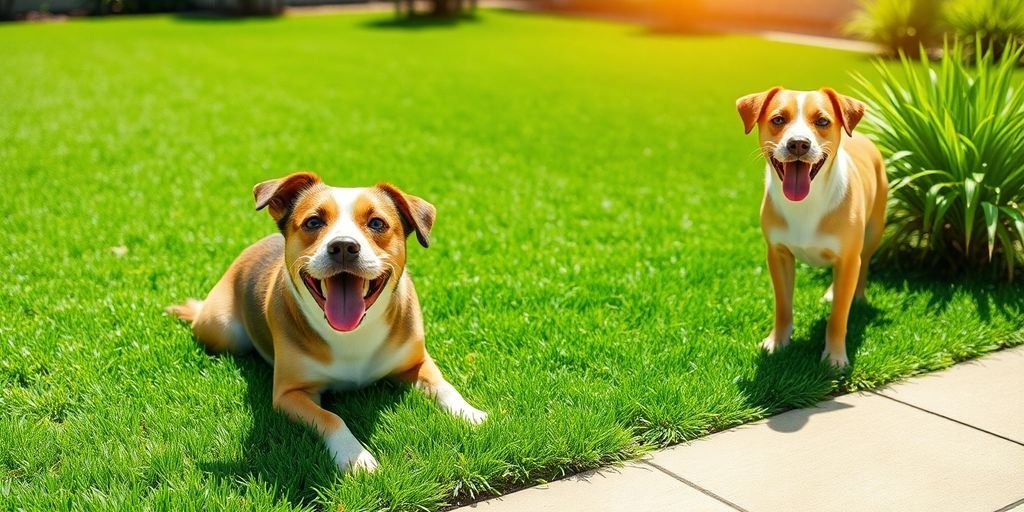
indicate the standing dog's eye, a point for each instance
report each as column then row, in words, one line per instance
column 778, row 120
column 313, row 223
column 377, row 224
column 822, row 122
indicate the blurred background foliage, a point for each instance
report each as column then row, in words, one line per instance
column 905, row 25
column 895, row 25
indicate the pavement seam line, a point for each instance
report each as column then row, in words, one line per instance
column 968, row 425
column 695, row 486
column 1011, row 506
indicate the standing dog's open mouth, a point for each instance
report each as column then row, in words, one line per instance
column 796, row 176
column 345, row 297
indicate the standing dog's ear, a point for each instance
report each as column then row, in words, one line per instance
column 280, row 194
column 751, row 107
column 849, row 110
column 417, row 214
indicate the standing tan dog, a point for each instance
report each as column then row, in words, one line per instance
column 328, row 303
column 824, row 201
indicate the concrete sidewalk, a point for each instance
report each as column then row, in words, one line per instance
column 947, row 441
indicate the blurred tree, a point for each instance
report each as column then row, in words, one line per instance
column 260, row 7
column 437, row 8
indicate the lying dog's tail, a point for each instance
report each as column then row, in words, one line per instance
column 187, row 311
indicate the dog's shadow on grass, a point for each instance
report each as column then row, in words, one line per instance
column 988, row 295
column 285, row 455
column 796, row 377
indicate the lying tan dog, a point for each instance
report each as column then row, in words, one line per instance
column 328, row 303
column 824, row 201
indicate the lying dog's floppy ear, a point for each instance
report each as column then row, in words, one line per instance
column 751, row 107
column 279, row 195
column 417, row 214
column 849, row 110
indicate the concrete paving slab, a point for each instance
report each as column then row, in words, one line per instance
column 859, row 452
column 1017, row 506
column 634, row 487
column 985, row 393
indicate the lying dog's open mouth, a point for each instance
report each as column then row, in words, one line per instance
column 344, row 297
column 796, row 176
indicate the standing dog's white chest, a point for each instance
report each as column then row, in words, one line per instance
column 803, row 218
column 806, row 244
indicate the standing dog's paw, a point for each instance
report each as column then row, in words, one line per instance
column 776, row 341
column 828, row 295
column 838, row 360
column 770, row 344
column 349, row 454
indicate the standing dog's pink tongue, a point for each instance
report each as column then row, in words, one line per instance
column 344, row 306
column 796, row 183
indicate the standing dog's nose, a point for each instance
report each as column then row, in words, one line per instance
column 342, row 248
column 798, row 146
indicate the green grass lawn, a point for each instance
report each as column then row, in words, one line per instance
column 596, row 281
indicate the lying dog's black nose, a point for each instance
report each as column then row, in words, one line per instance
column 343, row 248
column 798, row 146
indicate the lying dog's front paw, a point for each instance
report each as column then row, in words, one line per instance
column 363, row 461
column 451, row 401
column 349, row 454
column 839, row 360
column 472, row 414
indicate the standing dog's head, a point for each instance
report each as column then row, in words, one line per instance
column 799, row 131
column 344, row 247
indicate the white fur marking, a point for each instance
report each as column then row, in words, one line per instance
column 348, row 452
column 345, row 226
column 798, row 127
column 449, row 399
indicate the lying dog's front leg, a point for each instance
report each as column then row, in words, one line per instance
column 844, row 286
column 427, row 378
column 347, row 451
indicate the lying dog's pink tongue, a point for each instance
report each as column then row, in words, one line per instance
column 796, row 182
column 344, row 306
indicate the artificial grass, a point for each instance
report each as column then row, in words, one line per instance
column 596, row 282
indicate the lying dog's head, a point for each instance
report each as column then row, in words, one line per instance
column 799, row 131
column 344, row 247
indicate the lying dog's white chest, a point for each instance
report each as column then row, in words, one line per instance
column 358, row 359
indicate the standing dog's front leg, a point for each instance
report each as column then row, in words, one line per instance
column 782, row 268
column 427, row 377
column 844, row 287
column 347, row 451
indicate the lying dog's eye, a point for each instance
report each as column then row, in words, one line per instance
column 313, row 223
column 778, row 120
column 377, row 224
column 822, row 122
